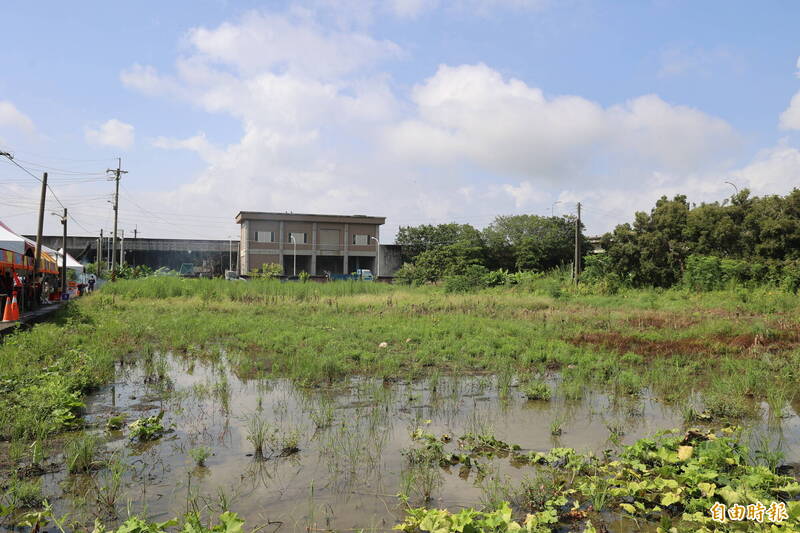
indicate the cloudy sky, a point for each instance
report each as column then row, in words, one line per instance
column 423, row 111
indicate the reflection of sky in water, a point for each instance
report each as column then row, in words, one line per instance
column 346, row 475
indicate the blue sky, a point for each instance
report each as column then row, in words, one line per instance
column 423, row 112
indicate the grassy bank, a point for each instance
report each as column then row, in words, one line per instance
column 726, row 344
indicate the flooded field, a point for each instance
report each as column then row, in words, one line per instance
column 337, row 457
column 361, row 407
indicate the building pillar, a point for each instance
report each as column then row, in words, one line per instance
column 346, row 248
column 244, row 243
column 313, row 249
column 376, row 267
column 280, row 245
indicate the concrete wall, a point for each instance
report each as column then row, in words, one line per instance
column 390, row 258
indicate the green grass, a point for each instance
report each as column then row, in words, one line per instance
column 673, row 341
column 715, row 355
column 537, row 390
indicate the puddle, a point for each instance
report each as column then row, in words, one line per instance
column 350, row 466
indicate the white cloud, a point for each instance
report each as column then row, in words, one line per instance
column 113, row 133
column 790, row 119
column 689, row 59
column 12, row 117
column 525, row 195
column 292, row 43
column 410, row 8
column 145, row 78
column 324, row 133
column 346, row 13
column 199, row 144
column 471, row 114
column 774, row 170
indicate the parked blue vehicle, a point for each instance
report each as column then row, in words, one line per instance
column 362, row 274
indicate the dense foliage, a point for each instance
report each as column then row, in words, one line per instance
column 744, row 239
column 509, row 243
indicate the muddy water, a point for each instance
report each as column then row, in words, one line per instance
column 347, row 473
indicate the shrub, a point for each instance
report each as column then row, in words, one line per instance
column 496, row 277
column 267, row 271
column 473, row 278
column 703, row 273
column 791, row 276
column 409, row 274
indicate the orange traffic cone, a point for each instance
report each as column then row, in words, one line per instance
column 14, row 306
column 7, row 314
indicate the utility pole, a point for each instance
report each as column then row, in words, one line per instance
column 100, row 254
column 64, row 255
column 135, row 232
column 38, row 257
column 117, row 173
column 577, row 262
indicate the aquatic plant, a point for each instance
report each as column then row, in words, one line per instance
column 200, row 454
column 259, row 432
column 537, row 390
column 115, row 423
column 322, row 415
column 80, row 454
column 443, row 521
column 556, row 426
column 147, row 428
column 22, row 494
column 108, row 483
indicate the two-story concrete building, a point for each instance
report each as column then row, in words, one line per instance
column 317, row 244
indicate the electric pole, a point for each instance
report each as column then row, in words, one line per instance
column 100, row 254
column 64, row 255
column 38, row 256
column 577, row 262
column 117, row 173
column 135, row 233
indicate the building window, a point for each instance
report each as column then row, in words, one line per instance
column 299, row 238
column 361, row 240
column 265, row 236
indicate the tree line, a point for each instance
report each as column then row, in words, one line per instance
column 510, row 243
column 743, row 239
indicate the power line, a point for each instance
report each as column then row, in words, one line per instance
column 10, row 158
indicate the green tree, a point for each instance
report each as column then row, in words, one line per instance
column 531, row 242
column 653, row 250
column 754, row 238
column 418, row 239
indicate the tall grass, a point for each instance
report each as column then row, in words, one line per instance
column 252, row 291
column 669, row 340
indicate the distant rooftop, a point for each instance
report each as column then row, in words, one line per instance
column 313, row 217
